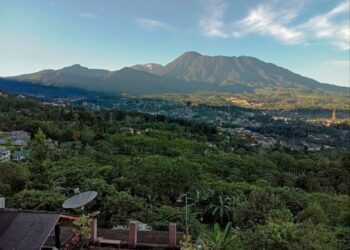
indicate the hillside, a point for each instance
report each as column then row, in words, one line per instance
column 140, row 164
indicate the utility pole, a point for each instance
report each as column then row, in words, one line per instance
column 186, row 210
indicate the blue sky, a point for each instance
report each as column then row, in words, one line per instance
column 310, row 37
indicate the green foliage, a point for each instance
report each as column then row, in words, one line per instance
column 255, row 210
column 121, row 206
column 222, row 209
column 287, row 235
column 38, row 148
column 13, row 177
column 140, row 164
column 82, row 229
column 161, row 217
column 280, row 215
column 219, row 239
column 314, row 213
column 37, row 200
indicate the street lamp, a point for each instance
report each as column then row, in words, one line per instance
column 186, row 209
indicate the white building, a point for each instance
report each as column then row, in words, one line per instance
column 5, row 154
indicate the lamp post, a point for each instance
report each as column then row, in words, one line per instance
column 186, row 209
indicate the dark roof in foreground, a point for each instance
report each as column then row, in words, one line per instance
column 27, row 230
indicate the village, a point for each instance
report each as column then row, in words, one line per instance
column 14, row 145
column 232, row 120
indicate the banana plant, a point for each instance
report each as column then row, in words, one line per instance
column 220, row 239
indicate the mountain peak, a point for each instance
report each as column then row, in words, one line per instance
column 148, row 67
column 74, row 68
column 191, row 54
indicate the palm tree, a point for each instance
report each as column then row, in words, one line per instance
column 218, row 240
column 222, row 209
column 150, row 202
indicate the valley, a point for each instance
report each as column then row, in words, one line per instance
column 298, row 129
column 182, row 125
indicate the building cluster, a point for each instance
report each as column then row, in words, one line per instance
column 14, row 141
column 14, row 144
column 15, row 138
column 17, row 155
column 257, row 139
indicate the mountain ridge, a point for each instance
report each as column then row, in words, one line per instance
column 190, row 72
column 246, row 70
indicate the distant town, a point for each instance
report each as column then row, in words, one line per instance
column 310, row 130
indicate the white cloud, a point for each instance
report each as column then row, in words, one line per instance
column 150, row 24
column 267, row 21
column 343, row 7
column 278, row 19
column 212, row 24
column 324, row 26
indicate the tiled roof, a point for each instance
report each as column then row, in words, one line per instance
column 25, row 230
column 20, row 153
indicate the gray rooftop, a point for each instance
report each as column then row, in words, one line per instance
column 27, row 230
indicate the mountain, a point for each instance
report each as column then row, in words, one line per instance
column 135, row 82
column 73, row 76
column 242, row 70
column 37, row 90
column 112, row 82
column 149, row 67
column 190, row 72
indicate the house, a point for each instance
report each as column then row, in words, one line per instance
column 19, row 137
column 3, row 141
column 32, row 230
column 19, row 142
column 19, row 155
column 5, row 154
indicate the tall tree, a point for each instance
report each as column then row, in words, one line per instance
column 38, row 148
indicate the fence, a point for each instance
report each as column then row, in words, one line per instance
column 133, row 238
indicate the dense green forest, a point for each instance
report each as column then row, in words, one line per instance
column 140, row 164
